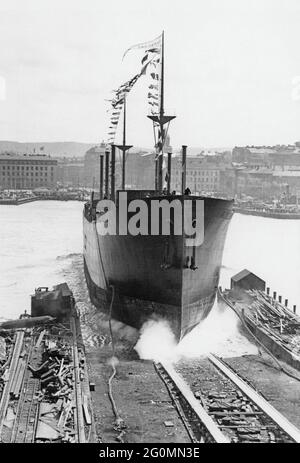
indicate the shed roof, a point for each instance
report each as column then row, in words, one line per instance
column 242, row 274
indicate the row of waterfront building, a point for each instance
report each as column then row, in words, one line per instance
column 261, row 172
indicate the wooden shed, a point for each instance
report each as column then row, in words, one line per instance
column 247, row 280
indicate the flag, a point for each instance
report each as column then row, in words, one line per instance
column 154, row 50
column 144, row 58
column 117, row 102
column 144, row 69
column 150, row 95
column 151, row 52
column 145, row 45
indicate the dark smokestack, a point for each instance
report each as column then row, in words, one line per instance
column 183, row 173
column 169, row 172
column 268, row 291
column 286, row 302
column 101, row 176
column 107, row 174
column 294, row 308
column 274, row 294
column 279, row 299
column 112, row 172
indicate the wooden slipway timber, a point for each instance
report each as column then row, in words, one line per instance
column 44, row 386
column 156, row 276
column 273, row 324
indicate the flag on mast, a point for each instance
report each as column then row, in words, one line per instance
column 144, row 45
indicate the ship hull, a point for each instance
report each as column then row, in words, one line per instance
column 149, row 275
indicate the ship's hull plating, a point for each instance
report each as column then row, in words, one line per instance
column 146, row 288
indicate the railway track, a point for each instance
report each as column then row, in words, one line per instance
column 23, row 430
column 15, row 356
column 79, row 419
column 218, row 406
column 23, row 391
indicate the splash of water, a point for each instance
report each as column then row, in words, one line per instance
column 156, row 341
column 218, row 333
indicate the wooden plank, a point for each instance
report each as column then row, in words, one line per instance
column 259, row 401
column 40, row 338
column 85, row 407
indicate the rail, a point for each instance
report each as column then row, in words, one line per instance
column 256, row 398
column 79, row 419
column 210, row 430
column 12, row 373
column 221, row 407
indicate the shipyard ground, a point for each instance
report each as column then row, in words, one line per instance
column 145, row 406
column 141, row 399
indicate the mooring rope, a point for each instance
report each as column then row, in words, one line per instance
column 120, row 424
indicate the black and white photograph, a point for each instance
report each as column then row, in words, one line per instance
column 149, row 226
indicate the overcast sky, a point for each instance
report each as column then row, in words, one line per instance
column 232, row 69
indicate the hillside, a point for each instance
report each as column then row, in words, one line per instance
column 57, row 149
column 71, row 148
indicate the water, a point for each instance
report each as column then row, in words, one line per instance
column 268, row 247
column 41, row 245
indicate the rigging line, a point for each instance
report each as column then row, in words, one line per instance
column 110, row 315
column 154, row 133
column 166, row 134
column 99, row 251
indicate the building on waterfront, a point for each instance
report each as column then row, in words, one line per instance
column 139, row 168
column 203, row 174
column 252, row 155
column 27, row 171
column 287, row 182
column 70, row 172
column 268, row 156
column 264, row 172
column 257, row 183
column 264, row 183
column 285, row 160
column 91, row 166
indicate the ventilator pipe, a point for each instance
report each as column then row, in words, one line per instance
column 183, row 173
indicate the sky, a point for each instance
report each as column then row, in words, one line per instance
column 232, row 69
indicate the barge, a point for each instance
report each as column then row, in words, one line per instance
column 44, row 386
column 272, row 324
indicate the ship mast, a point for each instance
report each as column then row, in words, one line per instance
column 159, row 121
column 124, row 147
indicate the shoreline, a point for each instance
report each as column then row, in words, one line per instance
column 271, row 215
column 19, row 202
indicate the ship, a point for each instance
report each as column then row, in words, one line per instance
column 144, row 277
